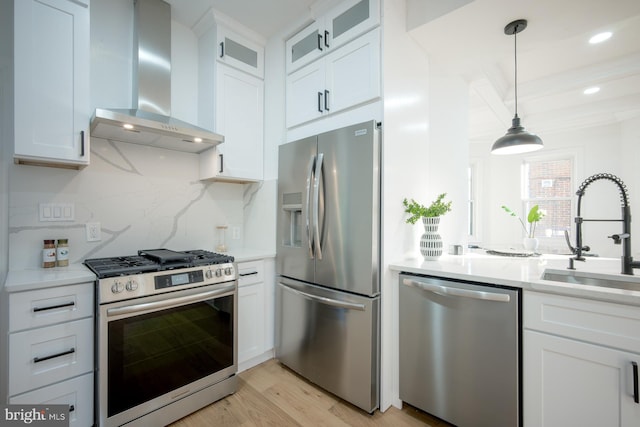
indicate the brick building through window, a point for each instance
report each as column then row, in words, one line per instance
column 548, row 182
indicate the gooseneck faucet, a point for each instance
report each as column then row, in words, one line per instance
column 624, row 238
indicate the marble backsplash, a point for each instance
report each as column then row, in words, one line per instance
column 143, row 197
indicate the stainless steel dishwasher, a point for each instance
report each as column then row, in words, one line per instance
column 460, row 350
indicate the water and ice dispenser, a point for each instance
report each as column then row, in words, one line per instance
column 292, row 207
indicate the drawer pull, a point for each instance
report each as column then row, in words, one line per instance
column 53, row 307
column 636, row 395
column 248, row 274
column 53, row 356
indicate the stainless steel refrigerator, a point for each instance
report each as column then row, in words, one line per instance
column 328, row 291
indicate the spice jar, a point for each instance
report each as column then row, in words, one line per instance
column 49, row 254
column 62, row 253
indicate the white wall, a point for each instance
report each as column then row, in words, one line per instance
column 6, row 126
column 6, row 144
column 449, row 150
column 611, row 148
column 405, row 171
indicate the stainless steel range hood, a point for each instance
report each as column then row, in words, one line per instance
column 149, row 122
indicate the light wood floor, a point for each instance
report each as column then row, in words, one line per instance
column 273, row 395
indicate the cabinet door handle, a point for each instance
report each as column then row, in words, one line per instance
column 320, row 102
column 221, row 163
column 320, row 42
column 326, row 38
column 636, row 395
column 326, row 100
column 53, row 307
column 81, row 143
column 53, row 356
column 248, row 274
column 221, row 49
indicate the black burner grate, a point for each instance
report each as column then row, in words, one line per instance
column 120, row 266
column 149, row 260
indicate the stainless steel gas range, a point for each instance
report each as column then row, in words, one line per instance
column 166, row 341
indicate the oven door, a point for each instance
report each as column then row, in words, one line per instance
column 156, row 350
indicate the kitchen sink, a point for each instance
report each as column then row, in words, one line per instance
column 631, row 283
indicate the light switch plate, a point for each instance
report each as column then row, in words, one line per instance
column 50, row 212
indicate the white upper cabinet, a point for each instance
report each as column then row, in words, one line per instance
column 239, row 117
column 348, row 20
column 345, row 78
column 240, row 52
column 231, row 103
column 51, row 59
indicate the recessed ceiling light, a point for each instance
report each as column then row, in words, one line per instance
column 599, row 38
column 591, row 90
column 127, row 126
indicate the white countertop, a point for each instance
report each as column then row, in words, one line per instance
column 523, row 273
column 38, row 278
column 248, row 254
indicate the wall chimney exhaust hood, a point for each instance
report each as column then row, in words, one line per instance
column 149, row 122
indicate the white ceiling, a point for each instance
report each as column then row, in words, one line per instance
column 555, row 61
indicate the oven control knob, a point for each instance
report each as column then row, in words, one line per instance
column 218, row 272
column 228, row 271
column 117, row 287
column 132, row 285
column 208, row 274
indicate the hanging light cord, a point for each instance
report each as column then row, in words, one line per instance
column 515, row 58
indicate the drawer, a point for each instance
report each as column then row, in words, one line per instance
column 44, row 307
column 604, row 323
column 250, row 272
column 42, row 356
column 76, row 392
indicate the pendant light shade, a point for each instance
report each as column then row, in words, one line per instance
column 517, row 139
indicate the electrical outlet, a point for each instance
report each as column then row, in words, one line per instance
column 235, row 233
column 93, row 231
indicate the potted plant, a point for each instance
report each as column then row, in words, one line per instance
column 530, row 242
column 430, row 242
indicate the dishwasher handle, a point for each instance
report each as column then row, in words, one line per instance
column 457, row 292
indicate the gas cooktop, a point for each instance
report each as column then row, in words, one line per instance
column 149, row 260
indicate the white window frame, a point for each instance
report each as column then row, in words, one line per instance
column 553, row 243
column 474, row 202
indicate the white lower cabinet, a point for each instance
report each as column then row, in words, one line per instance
column 76, row 392
column 255, row 313
column 51, row 349
column 567, row 381
column 54, row 353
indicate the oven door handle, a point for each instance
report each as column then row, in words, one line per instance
column 172, row 302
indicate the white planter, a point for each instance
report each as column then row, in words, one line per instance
column 431, row 242
column 530, row 244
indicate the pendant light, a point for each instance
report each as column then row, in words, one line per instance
column 516, row 140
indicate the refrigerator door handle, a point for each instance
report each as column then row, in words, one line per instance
column 456, row 292
column 307, row 207
column 316, row 203
column 327, row 301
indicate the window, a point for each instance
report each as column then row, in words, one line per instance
column 548, row 182
column 473, row 219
